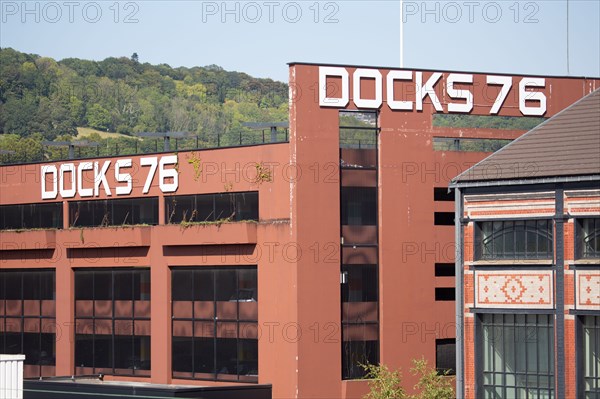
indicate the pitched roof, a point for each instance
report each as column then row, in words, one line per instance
column 567, row 144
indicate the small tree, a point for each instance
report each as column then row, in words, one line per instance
column 384, row 384
column 431, row 384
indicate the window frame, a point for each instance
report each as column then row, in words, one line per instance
column 580, row 247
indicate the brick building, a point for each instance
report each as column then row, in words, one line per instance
column 285, row 263
column 528, row 288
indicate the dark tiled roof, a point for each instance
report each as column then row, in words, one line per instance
column 567, row 144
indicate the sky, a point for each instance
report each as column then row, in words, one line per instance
column 261, row 37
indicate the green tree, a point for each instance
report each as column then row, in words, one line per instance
column 98, row 117
column 431, row 384
column 384, row 383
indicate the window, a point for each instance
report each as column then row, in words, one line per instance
column 212, row 207
column 521, row 239
column 445, row 294
column 444, row 270
column 588, row 238
column 443, row 218
column 516, row 353
column 358, row 219
column 589, row 357
column 113, row 212
column 27, row 318
column 445, row 355
column 31, row 216
column 359, row 206
column 112, row 318
column 443, row 194
column 215, row 323
column 360, row 319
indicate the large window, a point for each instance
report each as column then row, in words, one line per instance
column 31, row 216
column 520, row 239
column 112, row 316
column 113, row 212
column 516, row 354
column 445, row 356
column 588, row 238
column 215, row 323
column 27, row 318
column 211, row 207
column 589, row 357
column 358, row 219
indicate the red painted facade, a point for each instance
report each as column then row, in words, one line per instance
column 295, row 245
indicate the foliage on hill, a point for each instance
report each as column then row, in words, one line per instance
column 41, row 98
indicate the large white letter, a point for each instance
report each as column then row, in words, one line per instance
column 84, row 192
column 427, row 90
column 123, row 177
column 49, row 169
column 459, row 94
column 70, row 193
column 395, row 104
column 506, row 82
column 358, row 100
column 525, row 95
column 100, row 178
column 164, row 174
column 325, row 101
column 153, row 163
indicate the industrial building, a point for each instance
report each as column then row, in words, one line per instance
column 285, row 264
column 528, row 271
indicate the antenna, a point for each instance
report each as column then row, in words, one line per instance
column 166, row 136
column 71, row 145
column 267, row 125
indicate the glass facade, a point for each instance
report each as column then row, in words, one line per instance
column 215, row 323
column 31, row 216
column 516, row 356
column 589, row 357
column 27, row 318
column 358, row 219
column 520, row 239
column 112, row 318
column 113, row 212
column 212, row 207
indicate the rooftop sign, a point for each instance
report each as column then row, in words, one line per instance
column 457, row 86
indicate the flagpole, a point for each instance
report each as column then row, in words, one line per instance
column 401, row 33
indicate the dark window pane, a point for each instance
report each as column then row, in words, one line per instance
column 103, row 285
column 114, row 212
column 182, row 285
column 124, row 357
column 182, row 354
column 443, row 218
column 355, row 353
column 224, row 206
column 359, row 206
column 361, row 284
column 204, row 355
column 48, row 350
column 13, row 285
column 226, row 284
column 445, row 355
column 84, row 285
column 227, row 360
column 246, row 206
column 248, row 357
column 84, row 350
column 123, row 285
column 141, row 353
column 47, row 285
column 103, row 351
column 31, row 348
column 31, row 286
column 31, row 216
column 444, row 269
column 443, row 194
column 588, row 238
column 444, row 294
column 248, row 283
column 204, row 285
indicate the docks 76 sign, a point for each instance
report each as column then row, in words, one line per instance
column 87, row 178
column 532, row 101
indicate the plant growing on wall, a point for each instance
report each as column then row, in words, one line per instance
column 194, row 160
column 263, row 174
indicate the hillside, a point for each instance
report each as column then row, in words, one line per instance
column 45, row 99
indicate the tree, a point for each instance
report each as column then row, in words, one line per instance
column 386, row 384
column 135, row 58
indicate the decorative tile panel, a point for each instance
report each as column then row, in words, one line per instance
column 514, row 289
column 587, row 290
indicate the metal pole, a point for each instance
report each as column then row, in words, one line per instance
column 401, row 33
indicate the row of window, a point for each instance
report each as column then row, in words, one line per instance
column 532, row 239
column 132, row 211
column 515, row 355
column 215, row 322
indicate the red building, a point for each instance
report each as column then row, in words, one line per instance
column 287, row 263
column 529, row 263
